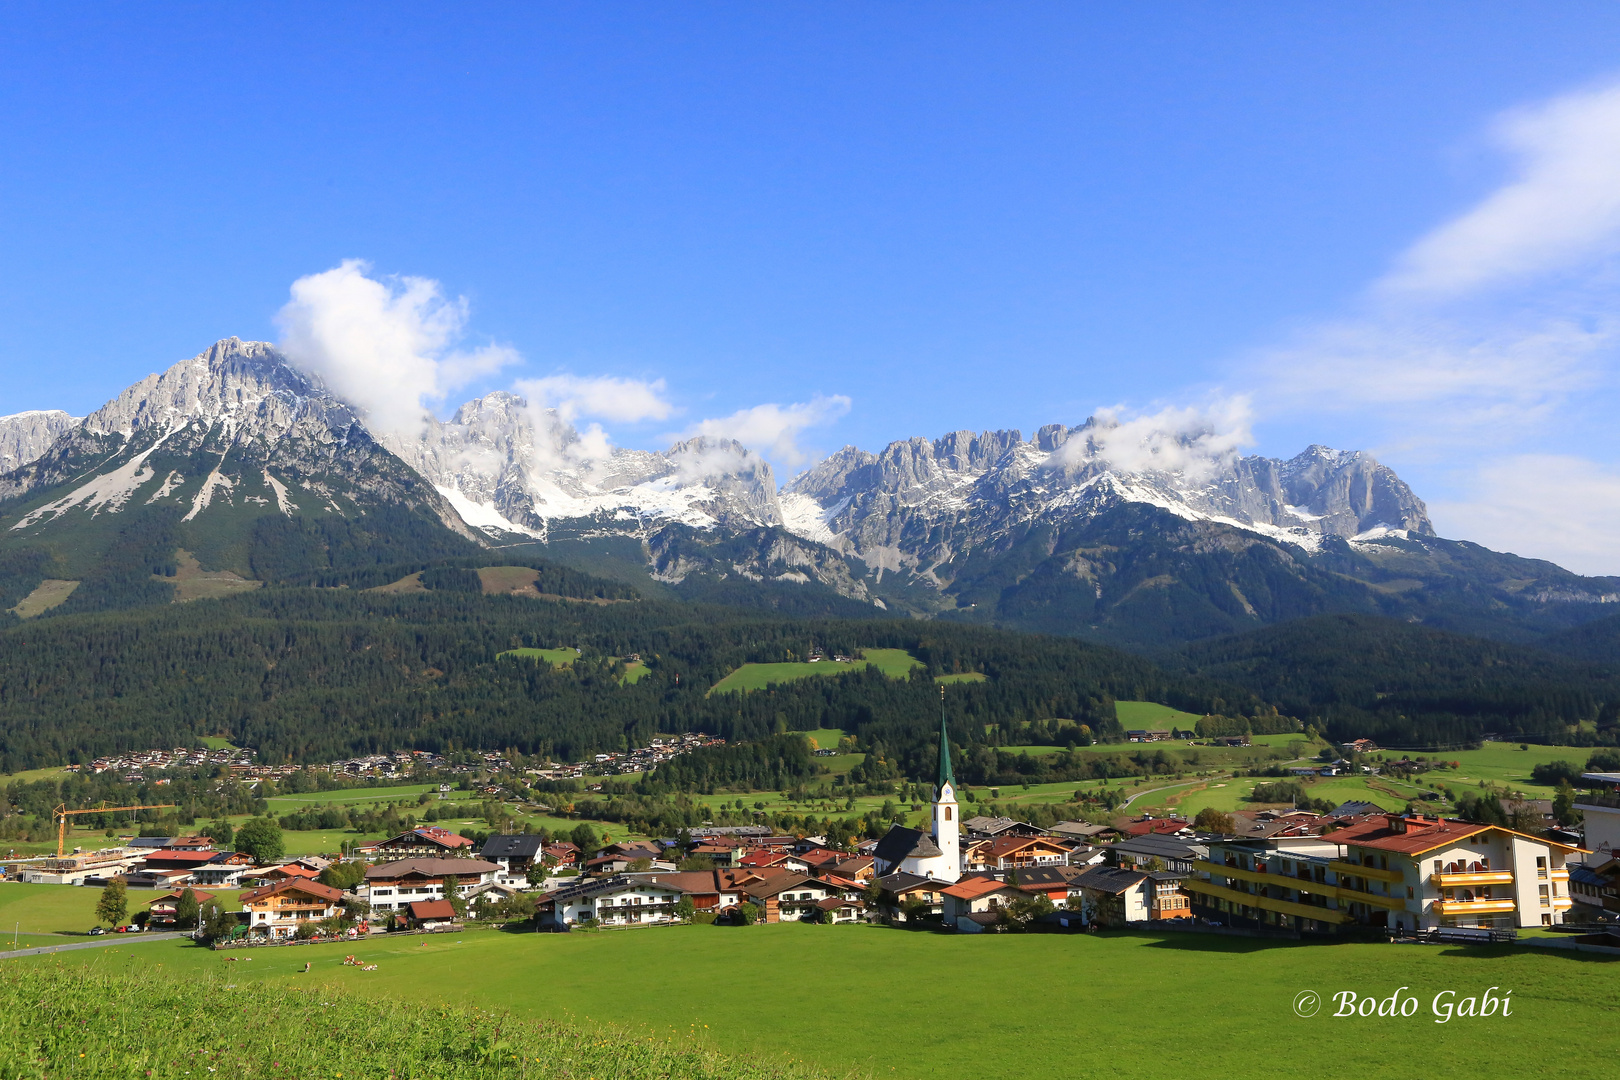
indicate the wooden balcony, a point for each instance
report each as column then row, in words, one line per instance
column 1372, row 873
column 1472, row 907
column 1471, row 878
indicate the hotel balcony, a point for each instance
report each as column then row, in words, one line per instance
column 1468, row 879
column 1472, row 907
column 1372, row 873
column 1266, row 903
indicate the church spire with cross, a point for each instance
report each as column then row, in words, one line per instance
column 946, row 830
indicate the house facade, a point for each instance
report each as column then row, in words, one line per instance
column 623, row 900
column 1402, row 873
column 277, row 911
column 430, row 841
column 391, row 886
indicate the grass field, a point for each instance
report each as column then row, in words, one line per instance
column 1141, row 714
column 46, row 595
column 962, row 677
column 554, row 657
column 1155, row 1004
column 56, row 912
column 895, row 663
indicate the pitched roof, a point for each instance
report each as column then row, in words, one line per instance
column 519, row 846
column 902, row 843
column 430, row 834
column 1110, row 879
column 430, row 868
column 900, row 882
column 975, row 887
column 432, row 909
column 1415, row 835
column 175, row 894
column 1006, row 845
column 168, row 858
column 310, row 888
column 988, row 824
column 1032, row 876
column 1164, row 847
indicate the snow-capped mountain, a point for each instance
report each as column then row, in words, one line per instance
column 923, row 503
column 232, row 432
column 508, row 468
column 1137, row 536
column 25, row 436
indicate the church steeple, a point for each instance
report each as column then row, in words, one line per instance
column 946, row 831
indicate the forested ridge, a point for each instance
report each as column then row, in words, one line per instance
column 1402, row 684
column 310, row 675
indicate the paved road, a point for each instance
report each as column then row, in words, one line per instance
column 100, row 943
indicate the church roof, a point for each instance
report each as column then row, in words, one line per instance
column 946, row 776
column 901, row 843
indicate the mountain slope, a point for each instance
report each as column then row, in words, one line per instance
column 237, row 457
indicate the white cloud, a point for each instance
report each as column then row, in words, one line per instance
column 1547, row 506
column 603, row 396
column 1198, row 442
column 1487, row 330
column 386, row 347
column 774, row 430
column 1562, row 206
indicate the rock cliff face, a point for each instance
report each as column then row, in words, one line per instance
column 511, row 469
column 26, row 435
column 919, row 505
column 234, row 431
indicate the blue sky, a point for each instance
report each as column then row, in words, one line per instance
column 1374, row 226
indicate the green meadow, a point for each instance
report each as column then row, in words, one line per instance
column 895, row 663
column 554, row 657
column 873, row 1001
column 1141, row 714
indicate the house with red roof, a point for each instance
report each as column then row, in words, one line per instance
column 161, row 910
column 278, row 910
column 429, row 841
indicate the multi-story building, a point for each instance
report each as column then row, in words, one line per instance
column 279, row 910
column 391, row 886
column 1404, row 873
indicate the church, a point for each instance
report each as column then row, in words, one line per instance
column 937, row 853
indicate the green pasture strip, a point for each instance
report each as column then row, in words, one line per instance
column 962, row 677
column 872, row 982
column 554, row 657
column 1148, row 714
column 895, row 663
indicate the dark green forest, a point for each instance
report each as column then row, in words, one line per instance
column 311, row 675
column 1403, row 684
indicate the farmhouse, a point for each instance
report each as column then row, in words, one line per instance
column 1011, row 852
column 430, row 840
column 279, row 910
column 515, row 855
column 161, row 911
column 430, row 914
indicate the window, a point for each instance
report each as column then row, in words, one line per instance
column 1437, row 866
column 1409, row 893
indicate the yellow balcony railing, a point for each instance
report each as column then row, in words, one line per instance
column 1560, row 875
column 1472, row 907
column 1237, row 873
column 1371, row 872
column 1470, row 879
column 1393, row 903
column 1266, row 903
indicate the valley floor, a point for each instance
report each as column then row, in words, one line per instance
column 892, row 1003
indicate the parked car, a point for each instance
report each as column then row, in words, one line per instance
column 97, row 931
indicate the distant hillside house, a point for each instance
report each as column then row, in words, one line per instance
column 428, row 841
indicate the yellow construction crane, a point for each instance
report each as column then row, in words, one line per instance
column 62, row 813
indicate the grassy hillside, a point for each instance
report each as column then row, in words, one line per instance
column 849, row 990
